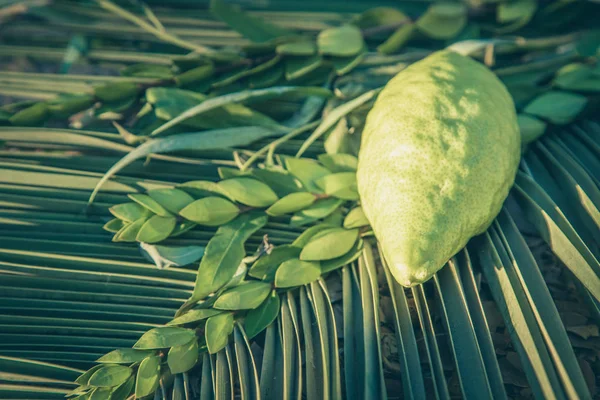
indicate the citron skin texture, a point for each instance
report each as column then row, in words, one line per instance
column 439, row 153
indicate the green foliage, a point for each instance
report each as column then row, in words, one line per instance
column 495, row 322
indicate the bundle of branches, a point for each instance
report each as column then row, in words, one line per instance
column 180, row 215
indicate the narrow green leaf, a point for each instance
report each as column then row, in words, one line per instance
column 238, row 97
column 217, row 331
column 251, row 27
column 334, row 116
column 207, row 140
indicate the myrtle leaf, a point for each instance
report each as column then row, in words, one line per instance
column 124, row 390
column 341, row 185
column 129, row 212
column 295, row 272
column 217, row 331
column 243, row 297
column 307, row 171
column 291, row 203
column 194, row 316
column 124, row 356
column 339, row 162
column 343, row 41
column 114, row 225
column 110, row 375
column 163, row 337
column 250, row 192
column 320, row 209
column 329, row 244
column 557, row 107
column 210, row 211
column 224, row 253
column 149, row 203
column 155, row 229
column 531, row 128
column 351, row 255
column 200, row 189
column 443, row 20
column 172, row 200
column 129, row 231
column 183, row 358
column 301, row 48
column 355, row 219
column 264, row 268
column 148, row 376
column 261, row 317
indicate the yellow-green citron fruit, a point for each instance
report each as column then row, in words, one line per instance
column 439, row 153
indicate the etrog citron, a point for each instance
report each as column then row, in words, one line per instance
column 439, row 153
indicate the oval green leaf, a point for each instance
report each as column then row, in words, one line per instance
column 194, row 316
column 295, row 272
column 210, row 211
column 148, row 377
column 341, row 185
column 243, row 297
column 129, row 212
column 329, row 244
column 261, row 317
column 356, row 218
column 156, row 229
column 124, row 356
column 265, row 267
column 343, row 41
column 250, row 192
column 163, row 337
column 110, row 375
column 291, row 203
column 217, row 331
column 183, row 358
column 147, row 202
column 173, row 200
